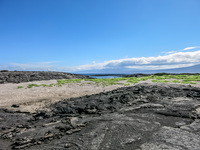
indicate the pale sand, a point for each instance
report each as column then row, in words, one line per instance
column 35, row 98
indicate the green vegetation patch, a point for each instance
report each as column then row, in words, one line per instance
column 32, row 85
column 44, row 85
column 127, row 84
column 69, row 81
column 106, row 82
column 62, row 82
column 176, row 81
column 162, row 81
column 160, row 77
column 188, row 82
column 133, row 80
column 19, row 87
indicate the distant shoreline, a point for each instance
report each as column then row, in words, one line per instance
column 26, row 76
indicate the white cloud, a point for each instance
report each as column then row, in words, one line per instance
column 153, row 67
column 174, row 60
column 189, row 48
column 170, row 52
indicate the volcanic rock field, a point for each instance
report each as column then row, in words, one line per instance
column 146, row 116
column 27, row 76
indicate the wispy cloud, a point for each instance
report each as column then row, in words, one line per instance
column 171, row 52
column 189, row 48
column 39, row 66
column 174, row 60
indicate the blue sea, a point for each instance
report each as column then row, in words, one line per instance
column 102, row 77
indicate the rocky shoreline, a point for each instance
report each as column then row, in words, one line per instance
column 142, row 117
column 27, row 76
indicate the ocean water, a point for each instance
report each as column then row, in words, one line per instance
column 102, row 77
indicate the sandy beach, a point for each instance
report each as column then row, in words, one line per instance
column 31, row 99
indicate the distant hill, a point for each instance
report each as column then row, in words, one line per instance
column 191, row 69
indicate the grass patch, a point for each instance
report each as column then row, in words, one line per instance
column 44, row 85
column 161, row 81
column 32, row 85
column 19, row 87
column 176, row 81
column 62, row 82
column 127, row 84
column 133, row 80
column 161, row 77
column 69, row 81
column 106, row 82
column 188, row 82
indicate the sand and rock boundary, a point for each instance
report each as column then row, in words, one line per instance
column 36, row 95
column 82, row 116
column 31, row 99
column 142, row 117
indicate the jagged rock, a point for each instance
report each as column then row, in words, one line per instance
column 159, row 117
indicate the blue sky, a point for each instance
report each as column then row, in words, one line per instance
column 81, row 35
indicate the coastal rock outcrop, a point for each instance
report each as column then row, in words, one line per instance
column 26, row 76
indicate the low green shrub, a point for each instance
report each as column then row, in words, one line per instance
column 44, row 85
column 19, row 87
column 162, row 81
column 187, row 82
column 159, row 77
column 176, row 81
column 32, row 85
column 127, row 84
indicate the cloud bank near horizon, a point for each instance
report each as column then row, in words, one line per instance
column 172, row 60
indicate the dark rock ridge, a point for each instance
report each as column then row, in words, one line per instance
column 142, row 117
column 158, row 74
column 26, row 76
